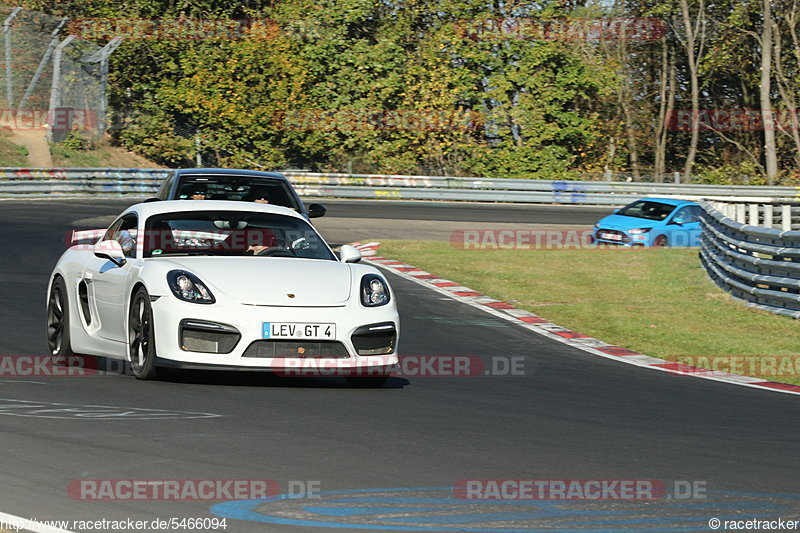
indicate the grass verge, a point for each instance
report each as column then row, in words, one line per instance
column 104, row 156
column 655, row 301
column 12, row 155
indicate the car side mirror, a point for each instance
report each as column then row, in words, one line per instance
column 349, row 254
column 316, row 210
column 111, row 250
column 679, row 221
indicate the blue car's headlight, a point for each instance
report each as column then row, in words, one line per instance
column 639, row 231
column 374, row 291
column 188, row 287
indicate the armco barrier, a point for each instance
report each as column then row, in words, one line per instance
column 760, row 265
column 71, row 182
column 144, row 182
column 514, row 190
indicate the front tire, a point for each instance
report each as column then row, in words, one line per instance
column 58, row 338
column 660, row 242
column 141, row 337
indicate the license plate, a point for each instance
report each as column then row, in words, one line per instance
column 298, row 330
column 611, row 236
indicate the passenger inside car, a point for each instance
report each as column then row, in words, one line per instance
column 198, row 192
column 258, row 194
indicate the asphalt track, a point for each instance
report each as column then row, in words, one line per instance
column 468, row 212
column 570, row 416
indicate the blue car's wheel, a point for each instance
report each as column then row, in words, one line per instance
column 660, row 241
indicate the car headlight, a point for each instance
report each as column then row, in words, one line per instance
column 187, row 287
column 374, row 291
column 639, row 231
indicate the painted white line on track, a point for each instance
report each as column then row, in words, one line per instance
column 537, row 324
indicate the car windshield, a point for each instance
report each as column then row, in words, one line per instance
column 647, row 209
column 232, row 233
column 238, row 188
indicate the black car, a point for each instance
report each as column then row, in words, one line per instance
column 234, row 184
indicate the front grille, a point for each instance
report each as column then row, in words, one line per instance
column 297, row 349
column 375, row 339
column 208, row 337
column 602, row 234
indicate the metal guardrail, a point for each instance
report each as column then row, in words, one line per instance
column 514, row 190
column 71, row 182
column 144, row 182
column 760, row 265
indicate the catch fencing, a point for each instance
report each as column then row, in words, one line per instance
column 54, row 83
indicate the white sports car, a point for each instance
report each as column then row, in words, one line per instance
column 222, row 285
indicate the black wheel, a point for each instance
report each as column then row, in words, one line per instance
column 661, row 241
column 141, row 337
column 372, row 382
column 58, row 322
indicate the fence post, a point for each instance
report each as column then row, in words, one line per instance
column 768, row 215
column 55, row 89
column 7, row 43
column 740, row 216
column 786, row 217
column 753, row 214
column 101, row 56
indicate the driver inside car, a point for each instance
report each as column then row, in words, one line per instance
column 198, row 192
column 260, row 240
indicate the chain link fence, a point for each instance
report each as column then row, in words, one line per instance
column 54, row 83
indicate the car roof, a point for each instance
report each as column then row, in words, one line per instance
column 148, row 209
column 668, row 201
column 231, row 172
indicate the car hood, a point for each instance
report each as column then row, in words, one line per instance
column 271, row 280
column 623, row 223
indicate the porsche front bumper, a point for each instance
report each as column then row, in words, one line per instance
column 231, row 336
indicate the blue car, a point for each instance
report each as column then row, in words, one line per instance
column 651, row 222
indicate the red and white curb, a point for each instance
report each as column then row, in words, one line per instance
column 544, row 327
